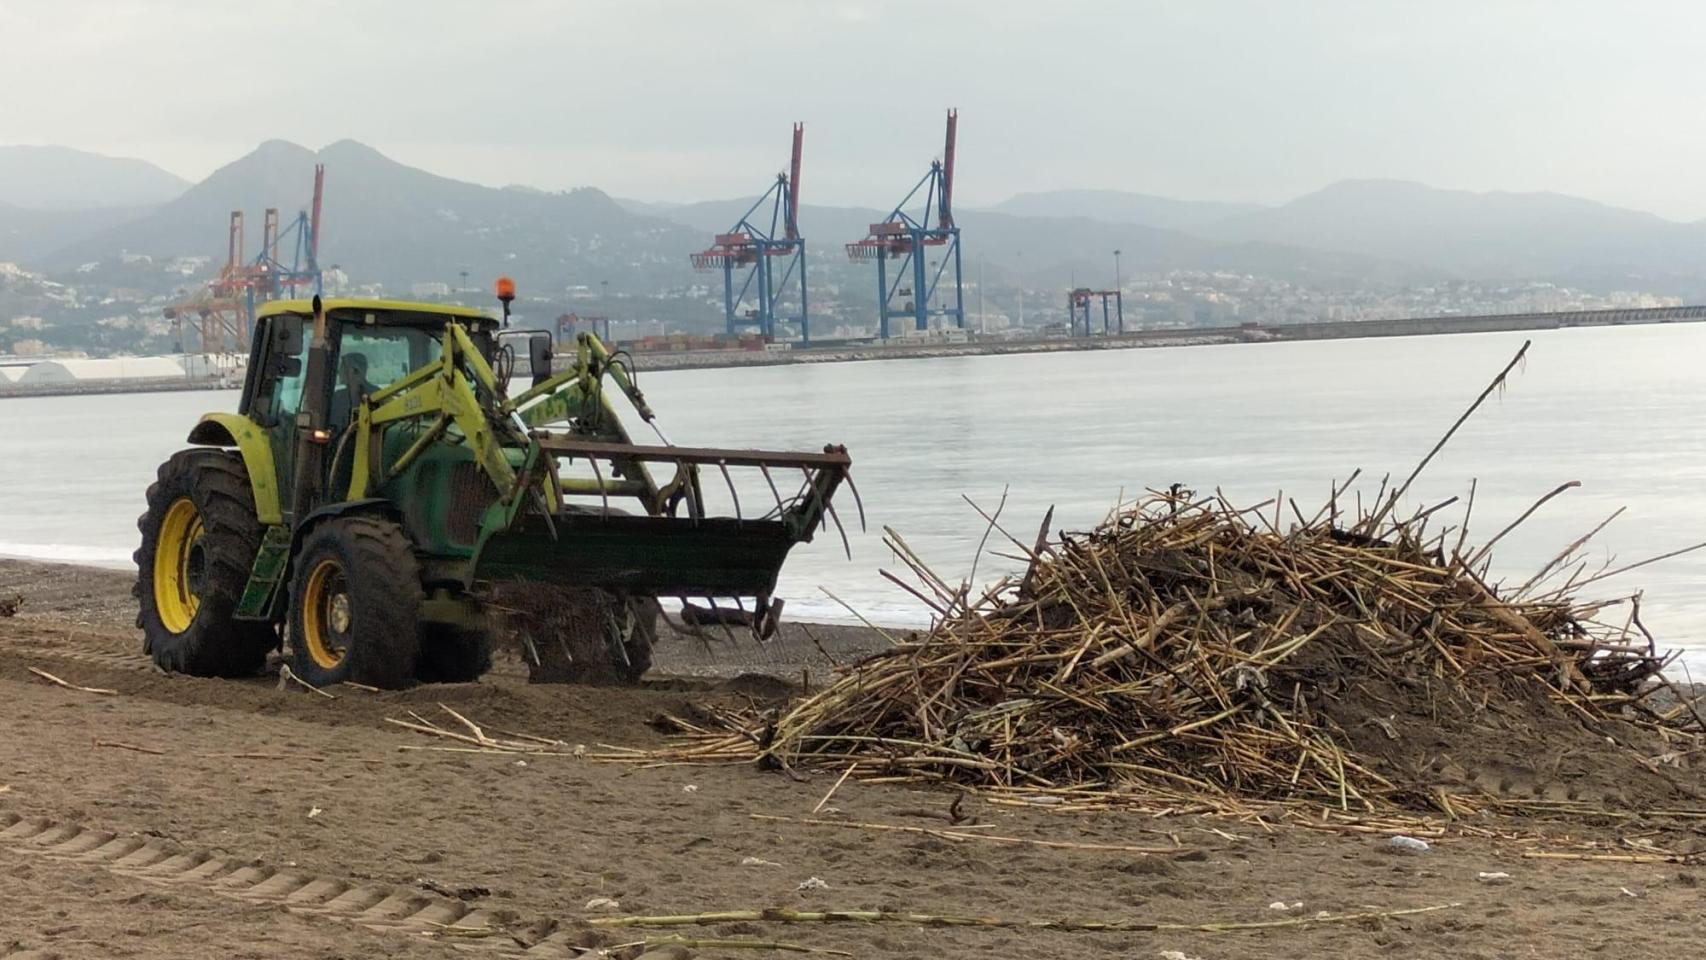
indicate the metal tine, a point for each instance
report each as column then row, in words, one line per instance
column 772, row 615
column 773, row 491
column 598, row 475
column 622, row 648
column 732, row 492
column 847, row 475
column 687, row 486
column 822, row 520
column 742, row 608
column 717, row 615
column 829, row 510
column 684, row 628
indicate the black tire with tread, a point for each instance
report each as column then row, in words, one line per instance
column 385, row 597
column 215, row 644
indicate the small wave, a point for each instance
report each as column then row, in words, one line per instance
column 821, row 610
column 883, row 613
column 68, row 553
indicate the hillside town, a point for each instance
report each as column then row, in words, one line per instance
column 149, row 279
column 117, row 309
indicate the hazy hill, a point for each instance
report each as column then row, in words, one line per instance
column 399, row 225
column 823, row 226
column 396, row 224
column 60, row 178
column 1119, row 206
column 1494, row 235
column 25, row 234
column 1056, row 250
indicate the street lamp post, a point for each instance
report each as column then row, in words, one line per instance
column 1020, row 256
column 1119, row 292
column 982, row 322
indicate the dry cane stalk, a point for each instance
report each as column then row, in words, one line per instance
column 782, row 915
column 962, row 834
column 70, row 686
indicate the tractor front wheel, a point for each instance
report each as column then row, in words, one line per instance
column 199, row 538
column 355, row 600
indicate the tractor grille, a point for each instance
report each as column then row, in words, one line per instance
column 470, row 494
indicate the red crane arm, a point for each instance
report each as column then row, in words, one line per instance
column 314, row 217
column 946, row 205
column 794, row 184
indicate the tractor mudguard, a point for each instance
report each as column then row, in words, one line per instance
column 378, row 505
column 273, row 564
column 236, row 430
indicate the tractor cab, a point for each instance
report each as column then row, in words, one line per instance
column 370, row 344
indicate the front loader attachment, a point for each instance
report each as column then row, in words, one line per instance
column 676, row 548
column 657, row 556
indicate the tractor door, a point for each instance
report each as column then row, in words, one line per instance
column 275, row 391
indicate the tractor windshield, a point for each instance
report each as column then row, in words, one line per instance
column 389, row 353
column 371, row 358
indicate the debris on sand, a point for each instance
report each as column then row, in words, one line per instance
column 1188, row 654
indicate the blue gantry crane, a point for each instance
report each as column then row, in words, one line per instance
column 1078, row 311
column 756, row 248
column 223, row 310
column 904, row 237
column 270, row 275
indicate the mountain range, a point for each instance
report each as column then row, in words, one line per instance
column 60, row 178
column 1124, row 207
column 394, row 224
column 398, row 225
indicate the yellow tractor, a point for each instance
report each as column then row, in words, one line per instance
column 379, row 486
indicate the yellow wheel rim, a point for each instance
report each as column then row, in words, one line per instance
column 178, row 564
column 325, row 607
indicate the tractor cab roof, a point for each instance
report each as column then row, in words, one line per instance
column 386, row 312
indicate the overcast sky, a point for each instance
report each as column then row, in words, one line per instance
column 667, row 100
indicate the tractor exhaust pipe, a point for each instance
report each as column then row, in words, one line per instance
column 311, row 429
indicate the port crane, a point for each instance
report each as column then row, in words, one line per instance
column 764, row 256
column 914, row 240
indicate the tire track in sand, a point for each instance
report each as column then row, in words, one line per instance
column 391, row 909
column 137, row 662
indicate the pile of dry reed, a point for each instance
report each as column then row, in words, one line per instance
column 1189, row 654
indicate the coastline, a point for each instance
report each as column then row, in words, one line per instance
column 658, row 361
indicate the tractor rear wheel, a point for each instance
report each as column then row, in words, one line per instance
column 199, row 539
column 355, row 600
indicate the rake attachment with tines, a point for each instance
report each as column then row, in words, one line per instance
column 679, row 547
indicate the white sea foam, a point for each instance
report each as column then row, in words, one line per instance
column 68, row 553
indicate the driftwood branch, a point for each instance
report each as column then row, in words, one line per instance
column 70, row 686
